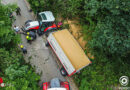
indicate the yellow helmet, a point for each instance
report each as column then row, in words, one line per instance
column 28, row 33
column 27, row 37
column 21, row 46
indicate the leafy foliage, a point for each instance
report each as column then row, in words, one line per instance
column 65, row 8
column 111, row 31
column 7, row 36
column 107, row 34
column 23, row 76
column 16, row 74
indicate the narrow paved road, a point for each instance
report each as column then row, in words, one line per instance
column 39, row 56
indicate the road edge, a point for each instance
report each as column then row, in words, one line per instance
column 29, row 7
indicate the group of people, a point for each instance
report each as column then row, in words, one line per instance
column 30, row 36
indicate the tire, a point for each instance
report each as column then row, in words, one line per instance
column 63, row 72
column 28, row 21
column 35, row 37
column 46, row 35
column 33, row 30
column 69, row 87
column 39, row 32
column 47, row 44
column 41, row 86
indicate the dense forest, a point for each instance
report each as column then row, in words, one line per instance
column 106, row 28
column 16, row 74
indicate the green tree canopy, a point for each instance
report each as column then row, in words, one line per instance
column 16, row 74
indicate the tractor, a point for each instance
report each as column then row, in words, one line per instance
column 45, row 23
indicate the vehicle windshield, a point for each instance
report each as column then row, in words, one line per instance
column 44, row 16
column 40, row 23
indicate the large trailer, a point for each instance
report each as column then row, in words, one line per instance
column 68, row 51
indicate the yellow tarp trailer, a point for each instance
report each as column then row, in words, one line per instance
column 68, row 51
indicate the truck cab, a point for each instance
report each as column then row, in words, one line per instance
column 56, row 84
column 46, row 17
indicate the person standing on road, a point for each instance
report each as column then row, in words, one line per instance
column 17, row 30
column 18, row 11
column 24, row 50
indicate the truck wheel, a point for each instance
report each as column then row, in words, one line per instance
column 47, row 44
column 63, row 72
column 46, row 35
column 39, row 32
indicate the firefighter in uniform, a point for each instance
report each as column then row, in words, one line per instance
column 24, row 50
column 29, row 39
column 18, row 11
column 32, row 34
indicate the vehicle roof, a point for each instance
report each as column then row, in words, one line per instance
column 34, row 23
column 49, row 16
column 56, row 89
column 72, row 49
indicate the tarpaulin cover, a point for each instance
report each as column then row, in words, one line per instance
column 71, row 49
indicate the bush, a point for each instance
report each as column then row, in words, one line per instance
column 15, row 73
